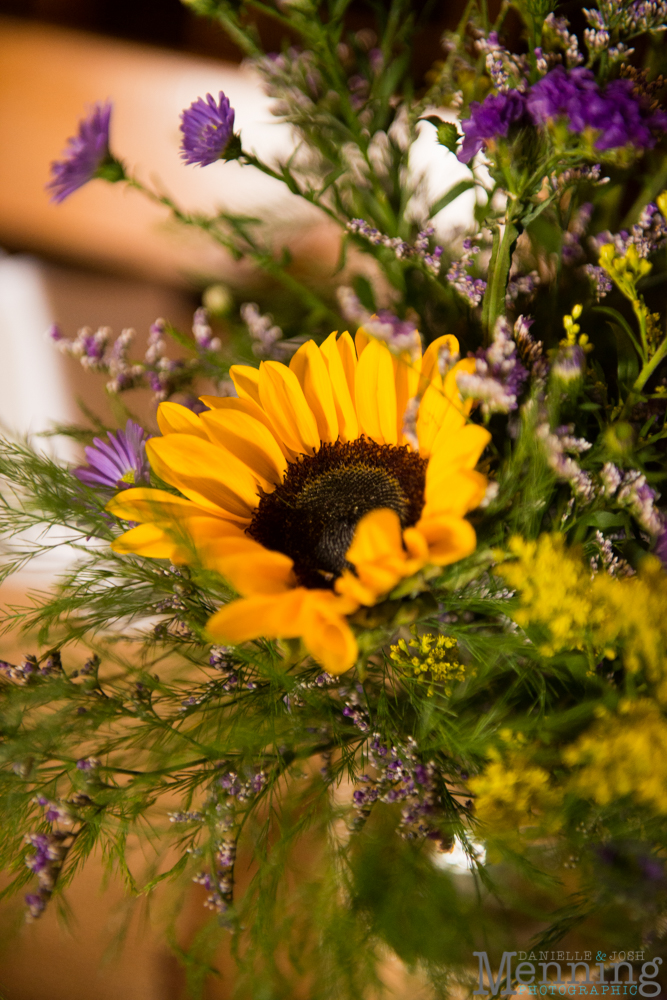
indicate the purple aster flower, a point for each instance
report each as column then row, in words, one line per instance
column 207, row 130
column 87, row 155
column 118, row 463
column 493, row 117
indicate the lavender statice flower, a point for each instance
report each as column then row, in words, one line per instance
column 470, row 288
column 202, row 331
column 117, row 463
column 572, row 250
column 499, row 375
column 403, row 250
column 635, row 494
column 87, row 155
column 530, row 351
column 504, row 67
column 555, row 446
column 606, row 558
column 399, row 335
column 521, row 284
column 265, row 335
column 559, row 28
column 489, row 120
column 600, row 281
column 208, row 132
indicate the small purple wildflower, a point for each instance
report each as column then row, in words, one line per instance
column 492, row 118
column 87, row 155
column 207, row 129
column 499, row 375
column 119, row 463
column 616, row 113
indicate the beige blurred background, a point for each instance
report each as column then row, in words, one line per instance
column 108, row 257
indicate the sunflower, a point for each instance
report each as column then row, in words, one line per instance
column 317, row 490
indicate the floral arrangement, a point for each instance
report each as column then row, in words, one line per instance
column 364, row 603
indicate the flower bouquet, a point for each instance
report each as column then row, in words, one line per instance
column 367, row 635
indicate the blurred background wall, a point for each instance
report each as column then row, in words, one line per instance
column 107, row 257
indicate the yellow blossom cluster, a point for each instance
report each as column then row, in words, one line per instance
column 515, row 794
column 428, row 658
column 624, row 754
column 603, row 615
column 625, row 270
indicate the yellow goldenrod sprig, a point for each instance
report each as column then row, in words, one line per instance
column 429, row 658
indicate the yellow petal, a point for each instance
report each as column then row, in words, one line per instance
column 377, row 534
column 456, row 493
column 275, row 616
column 375, row 394
column 173, row 418
column 328, row 637
column 283, row 399
column 145, row 504
column 312, row 372
column 249, row 440
column 251, row 569
column 449, row 538
column 406, row 379
column 149, row 540
column 348, row 357
column 429, row 365
column 246, row 382
column 206, row 473
column 246, row 406
column 348, row 426
column 361, row 340
column 456, row 450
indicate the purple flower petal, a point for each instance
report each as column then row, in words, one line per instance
column 207, row 129
column 84, row 155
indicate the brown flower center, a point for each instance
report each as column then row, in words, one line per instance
column 312, row 515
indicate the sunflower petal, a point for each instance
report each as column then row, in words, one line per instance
column 361, row 341
column 251, row 569
column 173, row 418
column 348, row 356
column 249, row 440
column 151, row 541
column 205, row 472
column 449, row 538
column 460, row 450
column 328, row 636
column 375, row 394
column 406, row 380
column 429, row 365
column 283, row 399
column 348, row 425
column 246, row 382
column 312, row 372
column 251, row 408
column 456, row 493
column 276, row 616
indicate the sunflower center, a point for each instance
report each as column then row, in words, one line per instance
column 312, row 515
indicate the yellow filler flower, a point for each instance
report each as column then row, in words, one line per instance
column 316, row 490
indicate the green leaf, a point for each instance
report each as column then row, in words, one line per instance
column 604, row 519
column 447, row 133
column 450, row 196
column 364, row 292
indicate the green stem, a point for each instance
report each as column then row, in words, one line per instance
column 650, row 367
column 499, row 269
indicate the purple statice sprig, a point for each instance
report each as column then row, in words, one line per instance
column 86, row 156
column 490, row 120
column 207, row 127
column 499, row 376
column 470, row 288
column 419, row 250
column 117, row 463
column 400, row 335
